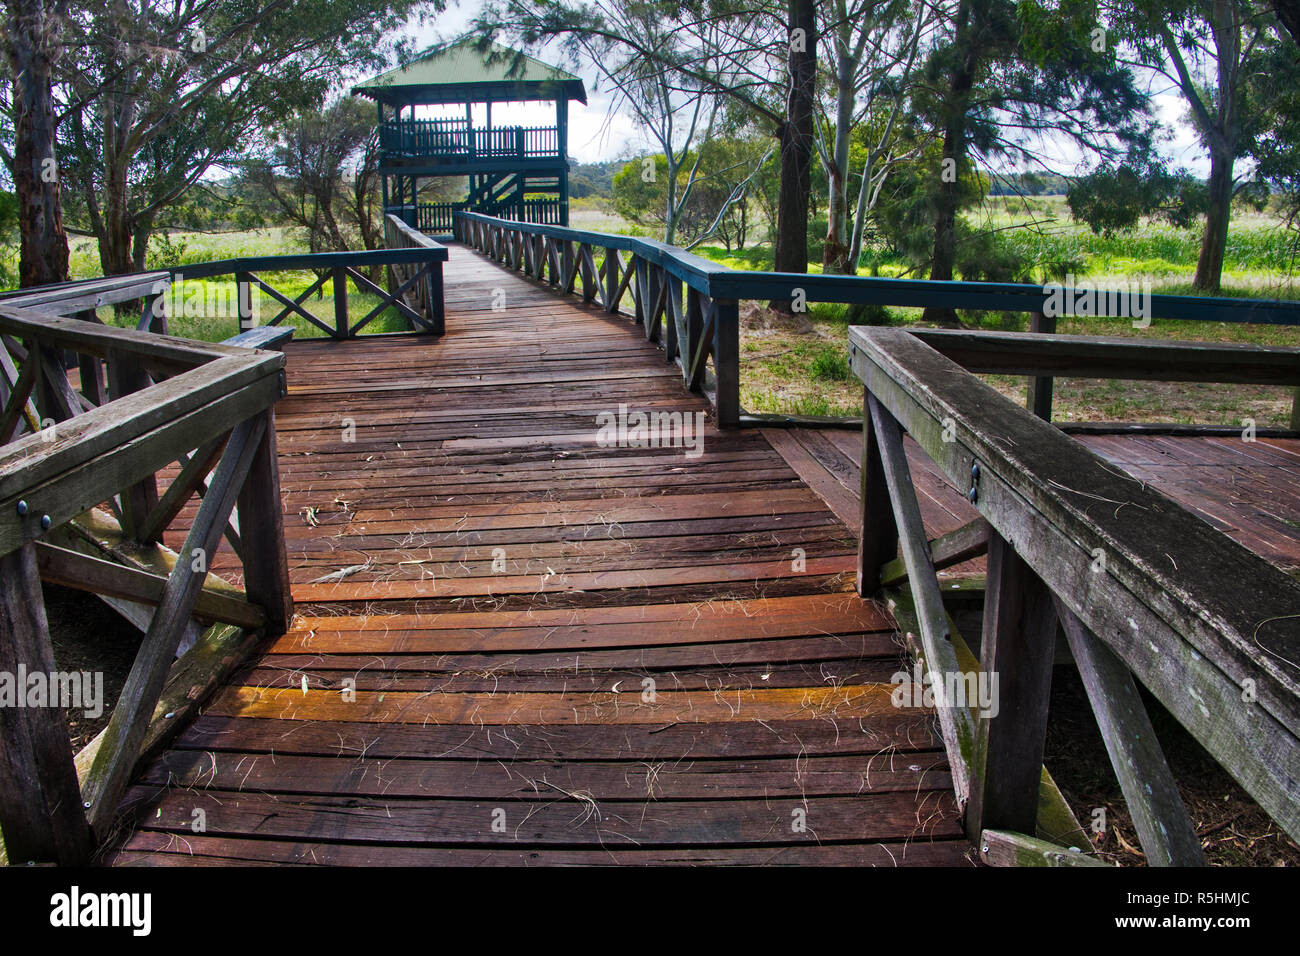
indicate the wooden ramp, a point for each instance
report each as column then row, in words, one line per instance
column 517, row 645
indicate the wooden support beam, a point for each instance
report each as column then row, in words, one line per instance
column 19, row 403
column 674, row 317
column 625, row 283
column 969, row 541
column 1004, row 848
column 40, row 803
column 126, row 729
column 295, row 305
column 183, row 486
column 569, row 267
column 878, row 533
column 955, row 723
column 726, row 361
column 81, row 572
column 613, row 279
column 1150, row 793
column 1016, row 656
column 691, row 340
column 656, row 320
column 340, row 302
column 588, row 272
column 192, row 679
column 701, row 350
column 126, row 376
column 437, row 297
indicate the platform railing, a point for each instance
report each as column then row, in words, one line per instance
column 1142, row 587
column 455, row 140
column 136, row 404
column 420, row 263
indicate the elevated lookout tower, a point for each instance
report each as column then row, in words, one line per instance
column 515, row 172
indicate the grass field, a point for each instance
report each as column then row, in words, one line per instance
column 802, row 368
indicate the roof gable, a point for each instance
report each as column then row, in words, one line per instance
column 455, row 72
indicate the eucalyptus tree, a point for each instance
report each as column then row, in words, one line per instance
column 149, row 95
column 320, row 169
column 1234, row 69
column 33, row 46
column 871, row 50
column 1009, row 76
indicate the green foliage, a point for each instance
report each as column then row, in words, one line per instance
column 8, row 239
column 158, row 101
column 640, row 191
column 166, row 253
column 1115, row 198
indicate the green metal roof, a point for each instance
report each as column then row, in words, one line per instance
column 459, row 71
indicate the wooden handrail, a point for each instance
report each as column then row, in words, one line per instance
column 1209, row 627
column 718, row 281
column 165, row 398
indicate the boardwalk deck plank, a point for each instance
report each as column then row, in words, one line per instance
column 635, row 654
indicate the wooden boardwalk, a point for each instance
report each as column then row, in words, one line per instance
column 518, row 646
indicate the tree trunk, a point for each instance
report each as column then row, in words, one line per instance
column 1288, row 11
column 795, row 136
column 32, row 42
column 1214, row 240
column 837, row 256
column 947, row 196
column 115, row 242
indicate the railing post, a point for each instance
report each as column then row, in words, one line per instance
column 1016, row 653
column 41, row 812
column 261, row 528
column 613, row 273
column 584, row 267
column 878, row 531
column 694, row 329
column 436, row 294
column 1040, row 387
column 125, row 375
column 340, row 303
column 639, row 304
column 566, row 266
column 726, row 361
